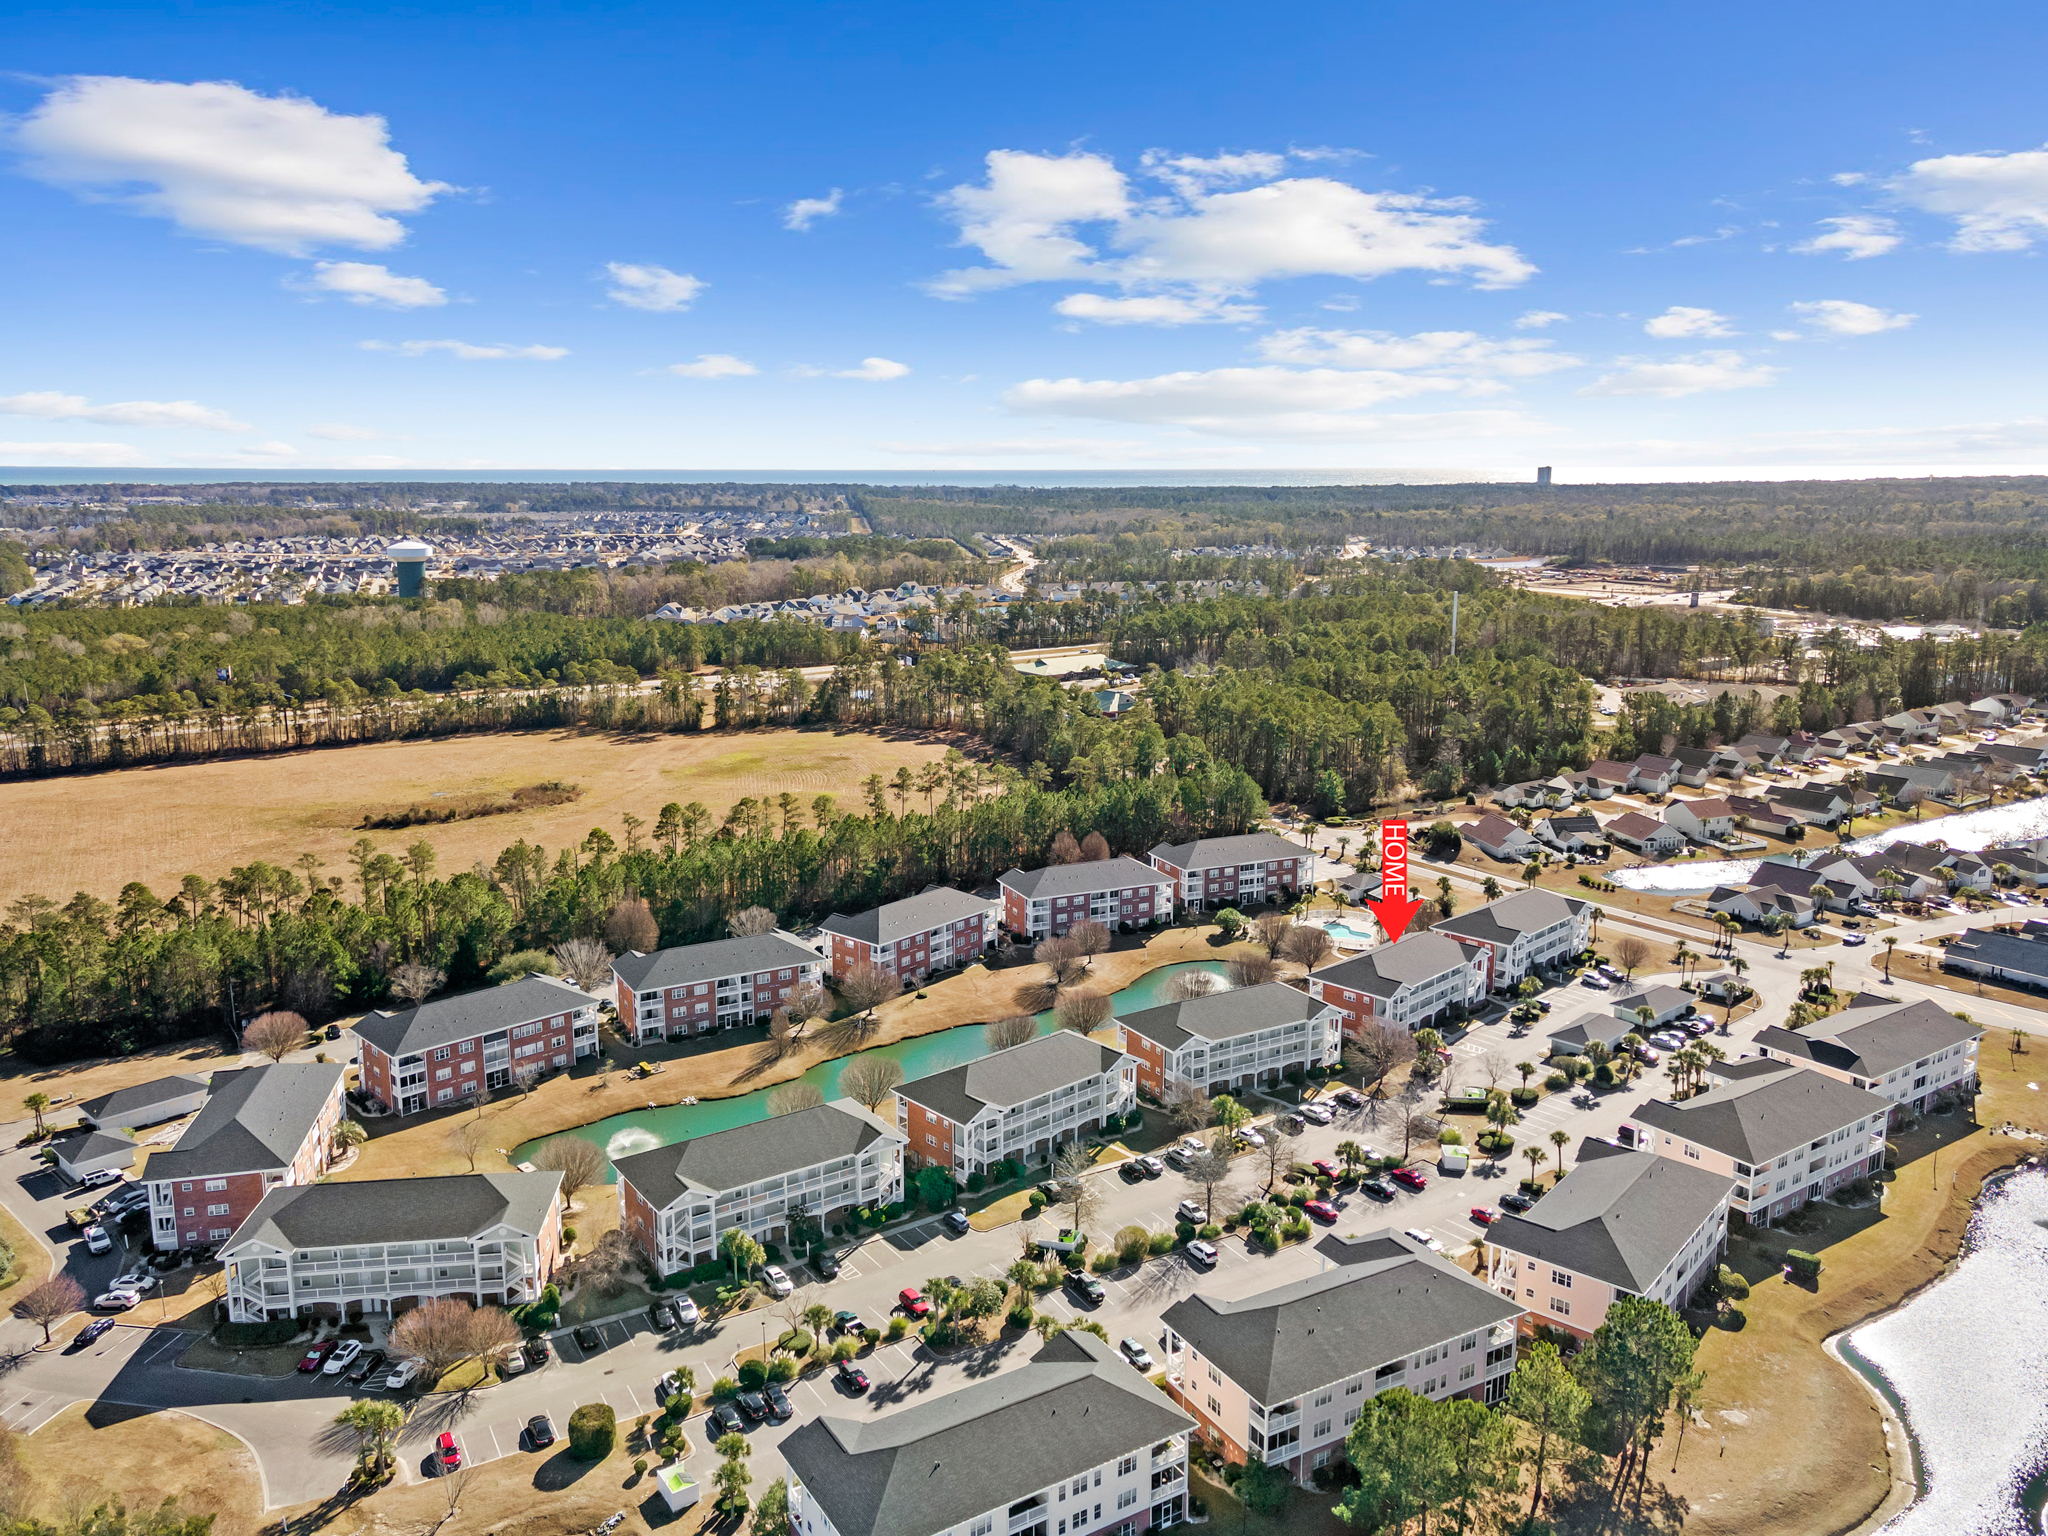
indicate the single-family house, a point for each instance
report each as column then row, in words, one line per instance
column 2021, row 958
column 1652, row 774
column 1577, row 834
column 1754, row 815
column 1644, row 834
column 1702, row 821
column 1499, row 838
column 1762, row 904
column 1602, row 779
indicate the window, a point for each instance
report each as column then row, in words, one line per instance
column 217, row 1210
column 1560, row 1306
column 1215, row 1404
column 1560, row 1279
column 214, row 1185
column 441, row 1054
column 1126, row 1499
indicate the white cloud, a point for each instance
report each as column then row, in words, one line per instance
column 1682, row 320
column 651, row 288
column 1858, row 236
column 874, row 370
column 1093, row 449
column 713, row 365
column 1667, row 379
column 110, row 455
column 1849, row 178
column 468, row 350
column 1845, row 317
column 1999, row 201
column 365, row 282
column 1537, row 319
column 1156, row 309
column 1448, row 352
column 1235, row 402
column 806, row 211
column 51, row 405
column 1029, row 215
column 278, row 172
column 261, row 451
column 343, row 432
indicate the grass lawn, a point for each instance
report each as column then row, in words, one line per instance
column 143, row 1456
column 1307, row 1512
column 31, row 1260
column 1794, row 1442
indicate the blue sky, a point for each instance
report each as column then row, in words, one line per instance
column 1636, row 242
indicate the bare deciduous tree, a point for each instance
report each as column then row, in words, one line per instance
column 749, row 921
column 579, row 1162
column 1417, row 1127
column 631, row 925
column 864, row 988
column 791, row 1097
column 587, row 962
column 470, row 1137
column 1377, row 1050
column 444, row 1332
column 1095, row 847
column 871, row 1079
column 806, row 1001
column 1631, row 954
column 1065, row 848
column 1306, row 945
column 1277, row 1154
column 1209, row 1171
column 413, row 983
column 275, row 1034
column 1089, row 939
column 1072, row 1188
column 1270, row 928
column 1189, row 985
column 608, row 1266
column 525, row 1074
column 50, row 1303
column 1082, row 1011
column 1014, row 1030
column 1188, row 1106
column 1250, row 970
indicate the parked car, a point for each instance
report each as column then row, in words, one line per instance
column 1321, row 1210
column 911, row 1300
column 824, row 1265
column 1350, row 1098
column 1152, row 1167
column 1136, row 1353
column 1191, row 1211
column 343, row 1357
column 1422, row 1237
column 775, row 1281
column 1486, row 1216
column 779, row 1406
column 1251, row 1136
column 1202, row 1252
column 368, row 1364
column 1854, row 939
column 686, row 1312
column 955, row 1221
column 1648, row 1055
column 539, row 1351
column 1191, row 1146
column 754, row 1406
column 1086, row 1287
column 1315, row 1114
column 332, row 1032
column 540, row 1431
column 847, row 1322
column 1517, row 1200
column 1325, row 1169
column 447, row 1454
column 99, row 1178
column 1597, row 983
column 1414, row 1178
column 97, row 1240
column 401, row 1375
column 1668, row 1040
column 1130, row 1172
column 588, row 1339
column 141, row 1279
column 727, row 1418
column 852, row 1378
column 512, row 1362
column 662, row 1315
column 311, row 1360
column 92, row 1332
column 1378, row 1188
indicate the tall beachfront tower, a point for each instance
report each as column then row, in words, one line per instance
column 411, row 557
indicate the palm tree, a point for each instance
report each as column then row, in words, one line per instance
column 1890, row 944
column 1560, row 1139
column 376, row 1422
column 817, row 1318
column 1351, row 1155
column 1537, row 1156
column 35, row 1104
column 348, row 1135
column 1684, row 958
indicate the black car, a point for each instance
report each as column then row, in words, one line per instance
column 1087, row 1287
column 662, row 1315
column 727, row 1419
column 955, row 1221
column 852, row 1377
column 1378, row 1188
column 779, row 1407
column 588, row 1339
column 92, row 1332
column 754, row 1405
column 540, row 1431
column 1516, row 1200
column 1130, row 1172
column 367, row 1365
column 824, row 1266
column 333, row 1031
column 539, row 1351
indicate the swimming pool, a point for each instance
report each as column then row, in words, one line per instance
column 1349, row 936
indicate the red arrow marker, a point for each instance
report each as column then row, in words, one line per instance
column 1395, row 908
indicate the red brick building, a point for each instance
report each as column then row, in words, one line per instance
column 1234, row 871
column 697, row 988
column 935, row 930
column 1118, row 893
column 260, row 1128
column 452, row 1049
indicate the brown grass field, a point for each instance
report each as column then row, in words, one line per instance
column 97, row 832
column 105, row 1451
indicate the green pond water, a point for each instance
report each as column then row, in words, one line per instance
column 637, row 1130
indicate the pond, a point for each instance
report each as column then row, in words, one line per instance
column 1994, row 826
column 639, row 1129
column 1966, row 1363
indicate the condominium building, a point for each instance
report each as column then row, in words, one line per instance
column 1281, row 1375
column 935, row 930
column 1118, row 893
column 260, row 1128
column 1621, row 1223
column 1911, row 1053
column 454, row 1049
column 1785, row 1134
column 677, row 1201
column 1234, row 871
column 1072, row 1443
column 1520, row 933
column 697, row 988
column 1412, row 982
column 1023, row 1103
column 1228, row 1041
column 386, row 1245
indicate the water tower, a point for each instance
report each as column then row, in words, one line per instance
column 411, row 557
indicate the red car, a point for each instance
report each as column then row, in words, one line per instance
column 1325, row 1169
column 316, row 1357
column 1486, row 1216
column 1413, row 1178
column 447, row 1454
column 1322, row 1210
column 911, row 1300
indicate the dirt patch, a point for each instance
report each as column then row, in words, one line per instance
column 98, row 831
column 142, row 1456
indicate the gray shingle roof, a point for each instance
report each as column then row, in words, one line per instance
column 446, row 1020
column 1083, row 879
column 1223, row 1015
column 336, row 1215
column 688, row 964
column 1620, row 1216
column 1767, row 1110
column 253, row 1119
column 2020, row 954
column 1658, row 999
column 143, row 1103
column 1011, row 1077
column 1406, row 962
column 93, row 1144
column 1874, row 1035
column 934, row 1465
column 1386, row 1299
column 1504, row 921
column 1209, row 852
column 895, row 920
column 722, row 1160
